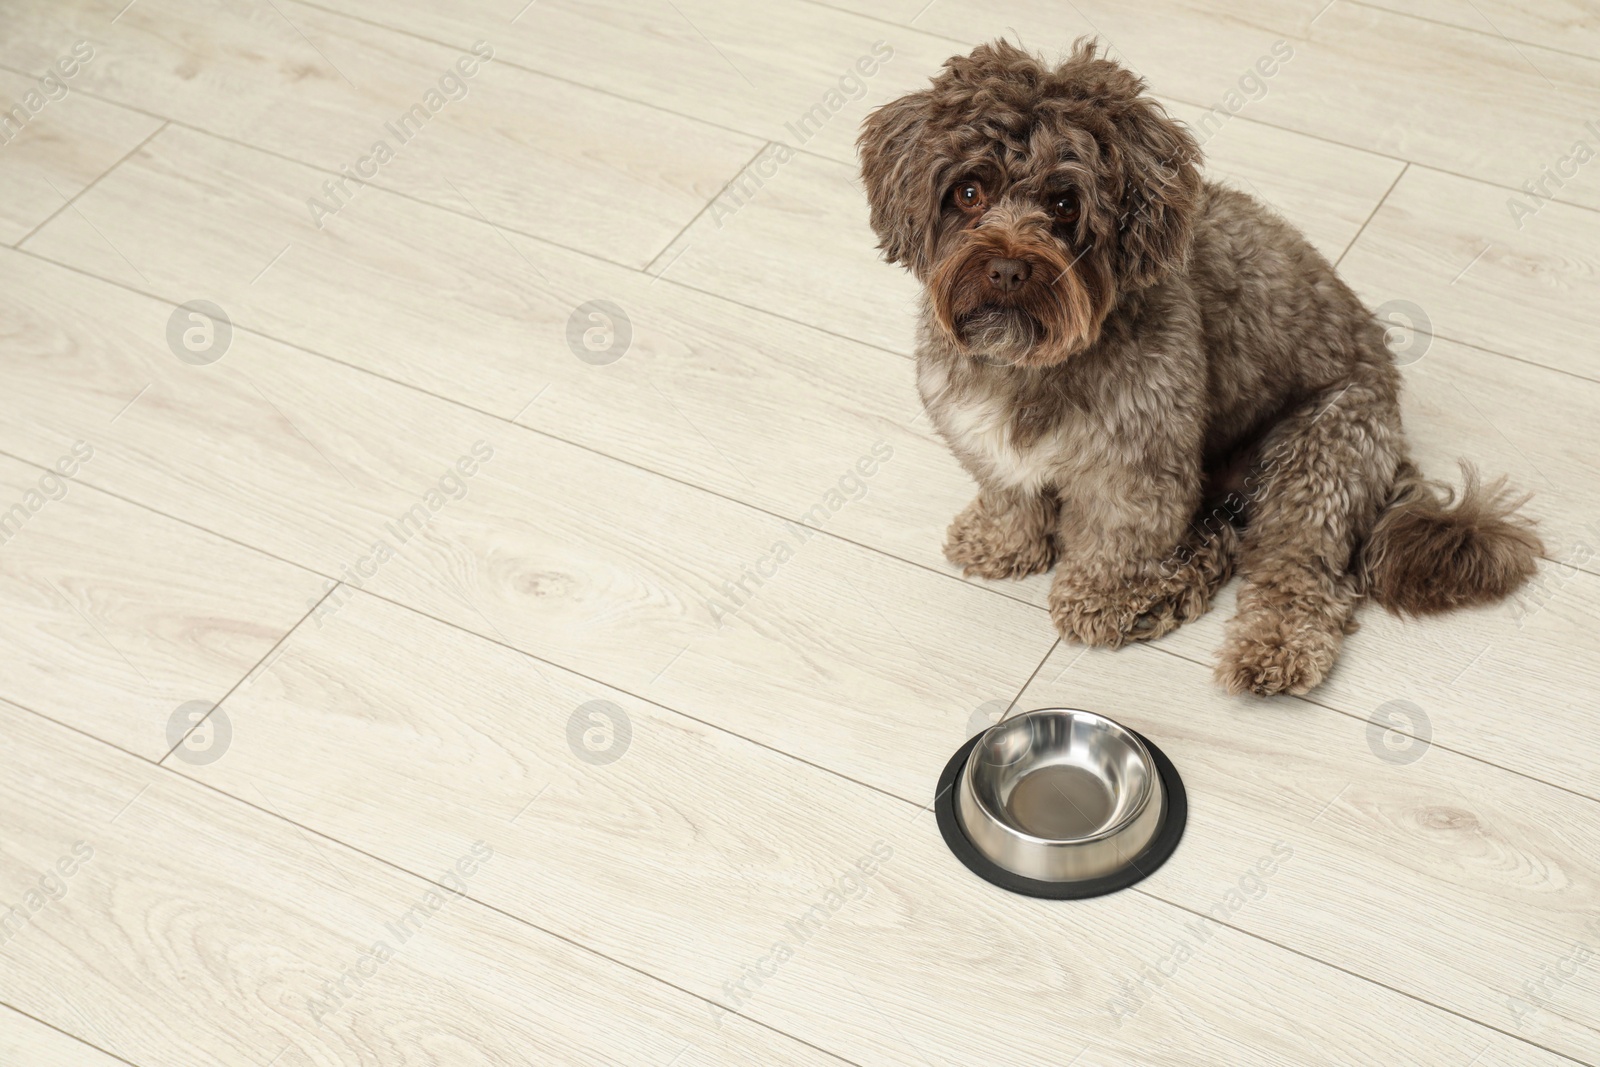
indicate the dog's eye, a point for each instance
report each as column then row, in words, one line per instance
column 1064, row 207
column 968, row 196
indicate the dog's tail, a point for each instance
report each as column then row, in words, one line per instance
column 1432, row 551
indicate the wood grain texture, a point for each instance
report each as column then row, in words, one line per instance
column 756, row 68
column 528, row 152
column 1510, row 418
column 203, row 929
column 791, row 237
column 1488, row 266
column 112, row 617
column 1326, row 190
column 1565, row 25
column 615, row 572
column 706, row 391
column 691, row 852
column 57, row 143
column 29, row 1043
column 1478, row 676
column 50, row 154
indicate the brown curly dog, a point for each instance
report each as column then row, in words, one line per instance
column 1154, row 378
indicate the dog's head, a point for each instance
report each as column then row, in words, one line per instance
column 1029, row 198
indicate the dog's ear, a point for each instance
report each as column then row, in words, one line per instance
column 899, row 178
column 1159, row 164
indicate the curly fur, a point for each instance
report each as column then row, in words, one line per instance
column 1431, row 552
column 1155, row 379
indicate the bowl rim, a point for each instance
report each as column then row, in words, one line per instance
column 1174, row 821
column 1153, row 789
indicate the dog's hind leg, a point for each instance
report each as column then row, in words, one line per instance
column 1320, row 479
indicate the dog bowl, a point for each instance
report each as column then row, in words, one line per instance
column 1061, row 803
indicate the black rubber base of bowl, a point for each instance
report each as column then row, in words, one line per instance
column 1140, row 867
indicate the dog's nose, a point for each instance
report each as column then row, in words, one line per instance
column 1007, row 275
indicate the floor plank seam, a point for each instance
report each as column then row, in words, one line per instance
column 457, row 627
column 1432, row 743
column 1345, row 970
column 1508, row 355
column 80, row 1039
column 735, row 176
column 1496, row 34
column 712, row 123
column 1406, row 165
column 1029, row 680
column 259, row 666
column 480, row 220
column 880, row 20
column 75, row 197
column 1584, row 567
column 1371, row 215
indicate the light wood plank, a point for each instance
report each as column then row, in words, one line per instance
column 707, row 391
column 578, row 167
column 1527, row 284
column 1326, row 190
column 48, row 155
column 690, row 852
column 610, row 570
column 796, row 242
column 455, row 319
column 28, row 1043
column 1566, row 25
column 1429, row 872
column 112, row 617
column 760, row 69
column 200, row 928
column 1510, row 418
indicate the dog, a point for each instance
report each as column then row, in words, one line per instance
column 1155, row 380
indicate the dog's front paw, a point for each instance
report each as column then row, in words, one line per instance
column 1268, row 664
column 1267, row 669
column 989, row 540
column 1110, row 618
column 1112, row 612
column 1287, row 633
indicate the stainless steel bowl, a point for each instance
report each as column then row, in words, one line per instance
column 1059, row 795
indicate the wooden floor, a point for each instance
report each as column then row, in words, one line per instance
column 552, row 526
